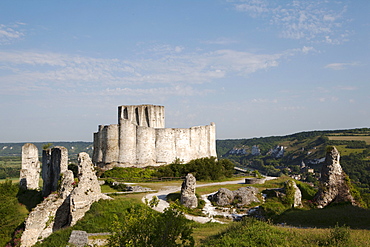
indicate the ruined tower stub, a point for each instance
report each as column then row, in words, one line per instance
column 142, row 115
column 30, row 172
column 54, row 162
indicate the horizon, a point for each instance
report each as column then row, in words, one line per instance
column 255, row 68
column 217, row 139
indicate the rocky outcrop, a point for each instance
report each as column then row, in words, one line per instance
column 188, row 197
column 222, row 197
column 78, row 238
column 291, row 189
column 240, row 197
column 88, row 190
column 334, row 186
column 245, row 196
column 48, row 216
column 67, row 204
column 30, row 172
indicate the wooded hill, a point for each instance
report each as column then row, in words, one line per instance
column 303, row 149
column 74, row 148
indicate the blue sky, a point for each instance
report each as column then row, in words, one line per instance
column 254, row 67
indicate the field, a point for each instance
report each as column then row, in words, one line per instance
column 365, row 138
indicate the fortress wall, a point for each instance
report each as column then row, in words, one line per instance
column 127, row 142
column 110, row 143
column 140, row 139
column 195, row 140
column 145, row 146
column 98, row 145
column 212, row 140
column 182, row 144
column 165, row 146
column 205, row 141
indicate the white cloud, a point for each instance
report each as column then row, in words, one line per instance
column 10, row 33
column 340, row 66
column 306, row 49
column 311, row 20
column 220, row 41
column 34, row 70
column 347, row 88
column 177, row 90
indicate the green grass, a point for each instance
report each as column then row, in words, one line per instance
column 347, row 151
column 14, row 180
column 351, row 138
column 252, row 232
column 344, row 214
column 10, row 161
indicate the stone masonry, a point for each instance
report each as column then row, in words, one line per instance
column 140, row 139
column 70, row 199
column 30, row 172
column 54, row 163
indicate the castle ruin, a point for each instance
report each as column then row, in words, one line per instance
column 140, row 139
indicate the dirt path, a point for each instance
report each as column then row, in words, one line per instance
column 161, row 194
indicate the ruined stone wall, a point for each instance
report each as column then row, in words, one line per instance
column 135, row 142
column 30, row 172
column 70, row 202
column 54, row 162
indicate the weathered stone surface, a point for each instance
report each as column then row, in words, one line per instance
column 50, row 215
column 240, row 197
column 78, row 238
column 245, row 196
column 188, row 198
column 30, row 172
column 333, row 185
column 223, row 197
column 54, row 162
column 88, row 190
column 67, row 205
column 297, row 194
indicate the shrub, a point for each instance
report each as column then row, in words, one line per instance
column 202, row 169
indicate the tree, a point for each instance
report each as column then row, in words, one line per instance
column 145, row 227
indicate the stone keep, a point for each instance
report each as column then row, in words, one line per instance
column 140, row 139
column 30, row 172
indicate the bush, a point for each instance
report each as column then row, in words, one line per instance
column 12, row 213
column 250, row 232
column 129, row 173
column 202, row 169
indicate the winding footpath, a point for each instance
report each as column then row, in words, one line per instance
column 163, row 204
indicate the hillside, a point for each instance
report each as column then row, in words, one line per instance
column 300, row 155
